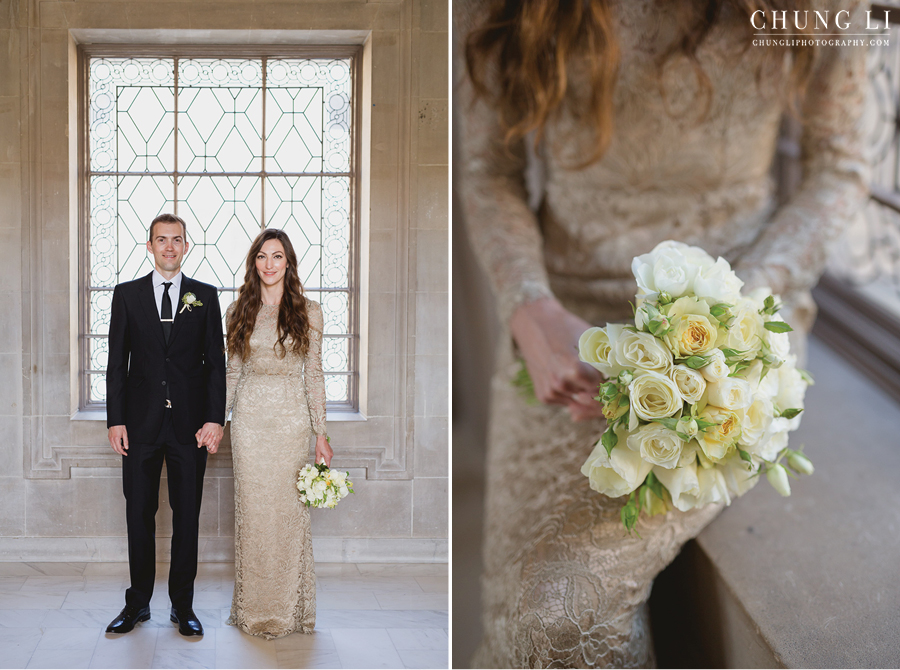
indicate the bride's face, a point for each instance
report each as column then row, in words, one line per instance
column 271, row 263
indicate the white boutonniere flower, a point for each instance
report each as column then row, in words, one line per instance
column 189, row 300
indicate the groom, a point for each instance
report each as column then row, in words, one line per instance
column 165, row 400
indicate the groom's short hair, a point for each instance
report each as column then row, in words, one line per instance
column 167, row 218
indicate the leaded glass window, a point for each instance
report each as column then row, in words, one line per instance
column 232, row 145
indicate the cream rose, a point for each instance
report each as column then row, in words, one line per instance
column 653, row 396
column 682, row 484
column 757, row 419
column 692, row 332
column 657, row 445
column 690, row 383
column 717, row 369
column 730, row 393
column 642, row 351
column 596, row 347
column 718, row 441
column 616, row 474
column 779, row 345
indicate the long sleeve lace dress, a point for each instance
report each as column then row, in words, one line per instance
column 276, row 404
column 563, row 585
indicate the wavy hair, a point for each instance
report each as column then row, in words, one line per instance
column 293, row 317
column 519, row 60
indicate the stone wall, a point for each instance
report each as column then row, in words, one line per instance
column 60, row 485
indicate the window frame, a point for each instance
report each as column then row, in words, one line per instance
column 84, row 54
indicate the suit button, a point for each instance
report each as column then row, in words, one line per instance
column 167, row 360
column 164, row 383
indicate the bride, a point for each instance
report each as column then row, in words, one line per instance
column 652, row 120
column 276, row 391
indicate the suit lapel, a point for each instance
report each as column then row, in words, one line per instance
column 186, row 287
column 148, row 302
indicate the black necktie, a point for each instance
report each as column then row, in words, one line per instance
column 165, row 313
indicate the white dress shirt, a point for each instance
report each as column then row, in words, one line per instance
column 174, row 291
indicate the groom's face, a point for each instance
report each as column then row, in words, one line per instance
column 168, row 247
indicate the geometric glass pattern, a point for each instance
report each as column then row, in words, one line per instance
column 232, row 145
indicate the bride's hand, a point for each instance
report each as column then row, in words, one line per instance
column 547, row 335
column 323, row 450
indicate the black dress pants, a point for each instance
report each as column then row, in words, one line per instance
column 185, row 466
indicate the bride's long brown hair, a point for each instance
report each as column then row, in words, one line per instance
column 528, row 46
column 293, row 317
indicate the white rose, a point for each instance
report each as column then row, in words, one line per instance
column 670, row 267
column 772, row 442
column 344, row 491
column 642, row 351
column 596, row 347
column 730, row 393
column 791, row 391
column 682, row 484
column 746, row 329
column 718, row 283
column 690, row 383
column 713, row 488
column 657, row 445
column 739, row 475
column 780, row 345
column 617, row 474
column 757, row 419
column 717, row 369
column 653, row 396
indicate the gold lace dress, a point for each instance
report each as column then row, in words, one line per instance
column 276, row 404
column 563, row 585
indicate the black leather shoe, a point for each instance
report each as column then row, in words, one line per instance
column 124, row 623
column 188, row 623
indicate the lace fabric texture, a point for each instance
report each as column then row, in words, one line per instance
column 276, row 404
column 563, row 584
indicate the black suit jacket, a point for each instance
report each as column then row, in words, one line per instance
column 143, row 370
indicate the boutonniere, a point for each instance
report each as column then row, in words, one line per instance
column 189, row 300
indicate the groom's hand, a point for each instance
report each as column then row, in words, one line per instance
column 210, row 435
column 118, row 439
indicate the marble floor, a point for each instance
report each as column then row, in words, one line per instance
column 53, row 615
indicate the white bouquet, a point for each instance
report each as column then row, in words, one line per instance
column 321, row 486
column 702, row 390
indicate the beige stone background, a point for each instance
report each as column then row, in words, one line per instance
column 60, row 483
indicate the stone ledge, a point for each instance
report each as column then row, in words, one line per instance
column 810, row 580
column 214, row 549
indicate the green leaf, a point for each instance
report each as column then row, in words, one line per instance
column 808, row 378
column 696, row 362
column 624, row 400
column 791, row 412
column 630, row 513
column 745, row 456
column 777, row 327
column 654, row 485
column 739, row 367
column 609, row 440
column 523, row 382
column 703, row 424
column 669, row 423
column 608, row 390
